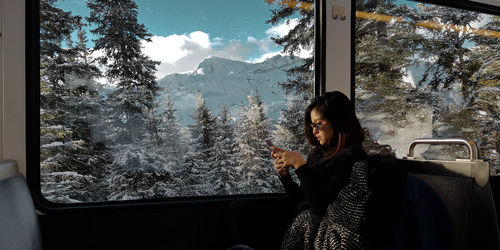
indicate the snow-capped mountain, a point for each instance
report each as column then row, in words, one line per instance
column 229, row 81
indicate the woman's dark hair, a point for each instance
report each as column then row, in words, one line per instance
column 338, row 110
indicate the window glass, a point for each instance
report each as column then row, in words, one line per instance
column 152, row 99
column 428, row 71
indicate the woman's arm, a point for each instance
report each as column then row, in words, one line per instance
column 293, row 190
column 282, row 168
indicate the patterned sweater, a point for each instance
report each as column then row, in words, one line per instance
column 337, row 192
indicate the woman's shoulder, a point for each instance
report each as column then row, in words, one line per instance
column 354, row 152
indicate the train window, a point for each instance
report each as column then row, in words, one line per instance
column 425, row 70
column 158, row 99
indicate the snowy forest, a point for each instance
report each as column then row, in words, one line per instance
column 127, row 143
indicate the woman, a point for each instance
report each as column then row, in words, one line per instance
column 333, row 179
column 344, row 203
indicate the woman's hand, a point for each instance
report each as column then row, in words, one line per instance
column 283, row 159
column 280, row 168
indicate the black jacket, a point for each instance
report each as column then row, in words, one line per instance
column 321, row 180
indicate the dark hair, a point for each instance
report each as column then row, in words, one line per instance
column 338, row 110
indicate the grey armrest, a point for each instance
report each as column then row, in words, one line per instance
column 19, row 228
column 8, row 168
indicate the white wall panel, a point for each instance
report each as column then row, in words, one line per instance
column 13, row 82
column 338, row 46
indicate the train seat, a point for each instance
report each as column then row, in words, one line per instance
column 19, row 227
column 464, row 188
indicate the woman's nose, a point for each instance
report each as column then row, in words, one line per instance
column 315, row 131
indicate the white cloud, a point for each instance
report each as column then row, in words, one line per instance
column 265, row 57
column 201, row 38
column 234, row 50
column 218, row 41
column 283, row 28
column 267, row 46
column 263, row 45
column 171, row 48
column 183, row 52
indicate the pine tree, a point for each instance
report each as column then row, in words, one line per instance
column 200, row 158
column 447, row 50
column 56, row 26
column 139, row 173
column 480, row 119
column 204, row 128
column 452, row 64
column 172, row 145
column 290, row 127
column 298, row 38
column 119, row 37
column 71, row 166
column 299, row 85
column 84, row 109
column 379, row 72
column 223, row 175
column 253, row 154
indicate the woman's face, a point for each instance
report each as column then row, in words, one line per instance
column 322, row 129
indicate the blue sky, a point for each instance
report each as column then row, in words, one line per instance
column 235, row 19
column 186, row 32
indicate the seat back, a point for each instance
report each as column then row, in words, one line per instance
column 464, row 189
column 19, row 228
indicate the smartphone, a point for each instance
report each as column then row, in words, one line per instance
column 269, row 142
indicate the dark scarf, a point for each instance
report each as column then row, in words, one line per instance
column 340, row 227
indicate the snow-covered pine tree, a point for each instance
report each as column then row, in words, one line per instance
column 56, row 26
column 204, row 129
column 446, row 51
column 379, row 72
column 139, row 173
column 172, row 144
column 223, row 175
column 481, row 120
column 254, row 159
column 289, row 133
column 70, row 165
column 200, row 157
column 299, row 85
column 185, row 182
column 119, row 38
column 453, row 65
column 84, row 107
column 299, row 37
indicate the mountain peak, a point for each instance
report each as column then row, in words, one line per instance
column 219, row 65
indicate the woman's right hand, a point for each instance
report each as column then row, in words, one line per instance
column 275, row 152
